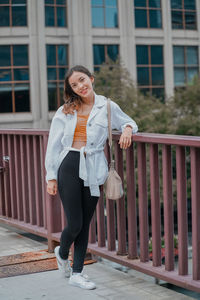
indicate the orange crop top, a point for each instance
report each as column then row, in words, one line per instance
column 80, row 130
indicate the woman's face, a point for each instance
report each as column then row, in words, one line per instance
column 81, row 84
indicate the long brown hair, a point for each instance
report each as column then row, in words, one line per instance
column 71, row 99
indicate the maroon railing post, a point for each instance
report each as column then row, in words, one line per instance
column 121, row 225
column 92, row 231
column 111, row 233
column 30, row 174
column 195, row 185
column 2, row 171
column 43, row 147
column 101, row 220
column 37, row 181
column 50, row 221
column 18, row 178
column 12, row 178
column 182, row 211
column 155, row 205
column 131, row 204
column 143, row 204
column 168, row 207
column 23, row 155
column 6, row 176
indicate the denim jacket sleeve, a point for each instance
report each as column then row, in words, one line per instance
column 54, row 147
column 120, row 120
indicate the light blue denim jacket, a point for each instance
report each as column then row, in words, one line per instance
column 93, row 168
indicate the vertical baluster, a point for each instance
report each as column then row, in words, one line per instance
column 121, row 222
column 12, row 176
column 195, row 186
column 131, row 204
column 155, row 205
column 43, row 146
column 110, row 215
column 182, row 211
column 30, row 175
column 92, row 231
column 111, row 232
column 6, row 177
column 168, row 208
column 23, row 159
column 143, row 204
column 2, row 195
column 101, row 220
column 37, row 177
column 18, row 177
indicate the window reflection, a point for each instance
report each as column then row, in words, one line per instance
column 148, row 14
column 55, row 13
column 183, row 14
column 13, row 13
column 105, row 13
column 5, row 98
column 102, row 54
column 14, row 80
column 150, row 69
column 186, row 64
column 57, row 65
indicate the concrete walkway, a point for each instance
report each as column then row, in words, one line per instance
column 111, row 283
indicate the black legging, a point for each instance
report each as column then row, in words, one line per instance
column 79, row 207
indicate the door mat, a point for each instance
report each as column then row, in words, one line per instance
column 30, row 262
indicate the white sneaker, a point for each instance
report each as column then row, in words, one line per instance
column 63, row 264
column 82, row 281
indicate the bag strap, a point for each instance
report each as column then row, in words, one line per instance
column 109, row 128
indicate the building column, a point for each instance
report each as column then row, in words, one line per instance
column 168, row 49
column 127, row 37
column 80, row 36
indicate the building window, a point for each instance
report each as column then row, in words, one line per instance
column 148, row 14
column 55, row 13
column 104, row 53
column 13, row 13
column 183, row 14
column 150, row 69
column 57, row 65
column 186, row 64
column 14, row 79
column 104, row 13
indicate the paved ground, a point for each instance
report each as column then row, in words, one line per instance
column 111, row 283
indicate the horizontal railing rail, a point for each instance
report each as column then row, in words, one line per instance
column 161, row 177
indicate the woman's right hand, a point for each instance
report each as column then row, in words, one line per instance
column 52, row 187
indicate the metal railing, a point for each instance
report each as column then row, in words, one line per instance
column 158, row 172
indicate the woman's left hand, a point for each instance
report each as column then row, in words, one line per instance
column 126, row 138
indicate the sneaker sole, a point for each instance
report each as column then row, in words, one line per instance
column 82, row 287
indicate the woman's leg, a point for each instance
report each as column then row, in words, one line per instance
column 80, row 244
column 70, row 190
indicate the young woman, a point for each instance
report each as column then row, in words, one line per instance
column 76, row 165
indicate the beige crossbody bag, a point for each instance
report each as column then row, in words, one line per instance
column 113, row 184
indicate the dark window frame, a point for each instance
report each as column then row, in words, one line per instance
column 107, row 58
column 185, row 65
column 183, row 10
column 150, row 66
column 104, row 14
column 55, row 5
column 148, row 9
column 10, row 4
column 57, row 81
column 12, row 82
